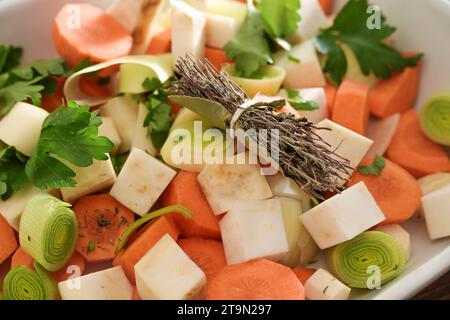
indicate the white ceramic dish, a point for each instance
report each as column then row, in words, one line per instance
column 422, row 26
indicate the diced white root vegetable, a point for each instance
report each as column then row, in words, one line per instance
column 304, row 74
column 95, row 178
column 381, row 133
column 232, row 9
column 354, row 72
column 312, row 94
column 21, row 127
column 308, row 247
column 188, row 31
column 167, row 273
column 434, row 182
column 396, row 231
column 282, row 186
column 123, row 111
column 253, row 230
column 141, row 181
column 127, row 12
column 436, row 208
column 322, row 285
column 313, row 19
column 108, row 129
column 109, row 284
column 141, row 139
column 184, row 116
column 343, row 216
column 226, row 184
column 220, row 30
column 12, row 208
column 346, row 143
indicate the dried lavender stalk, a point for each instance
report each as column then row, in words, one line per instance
column 303, row 155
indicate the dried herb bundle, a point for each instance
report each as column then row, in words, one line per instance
column 303, row 155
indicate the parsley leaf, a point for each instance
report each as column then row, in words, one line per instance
column 375, row 169
column 42, row 68
column 298, row 103
column 118, row 161
column 68, row 135
column 20, row 91
column 373, row 55
column 9, row 57
column 280, row 16
column 12, row 172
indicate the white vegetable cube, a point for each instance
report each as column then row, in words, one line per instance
column 436, row 208
column 123, row 111
column 322, row 285
column 305, row 73
column 343, row 216
column 141, row 181
column 109, row 284
column 141, row 139
column 316, row 95
column 282, row 186
column 108, row 129
column 167, row 273
column 127, row 12
column 226, row 184
column 12, row 208
column 396, row 231
column 220, row 30
column 312, row 19
column 188, row 31
column 21, row 127
column 253, row 230
column 95, row 178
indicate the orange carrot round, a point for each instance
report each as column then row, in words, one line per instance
column 414, row 151
column 396, row 191
column 209, row 255
column 135, row 294
column 160, row 43
column 101, row 220
column 326, row 5
column 51, row 101
column 217, row 57
column 330, row 93
column 84, row 31
column 303, row 274
column 8, row 241
column 256, row 280
column 91, row 87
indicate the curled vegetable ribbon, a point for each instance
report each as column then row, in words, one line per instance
column 435, row 119
column 354, row 262
column 48, row 231
column 22, row 283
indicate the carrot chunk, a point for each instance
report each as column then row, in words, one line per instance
column 51, row 101
column 91, row 87
column 330, row 93
column 8, row 241
column 326, row 5
column 160, row 43
column 217, row 57
column 303, row 274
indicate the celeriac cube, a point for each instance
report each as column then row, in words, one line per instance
column 123, row 111
column 312, row 20
column 21, row 127
column 322, row 285
column 141, row 181
column 396, row 231
column 167, row 273
column 95, row 178
column 141, row 139
column 109, row 284
column 282, row 186
column 253, row 230
column 188, row 31
column 436, row 208
column 12, row 208
column 304, row 74
column 343, row 216
column 108, row 129
column 312, row 94
column 220, row 29
column 225, row 184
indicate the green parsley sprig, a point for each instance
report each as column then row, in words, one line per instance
column 376, row 168
column 298, row 103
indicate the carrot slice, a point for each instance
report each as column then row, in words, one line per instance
column 184, row 190
column 141, row 245
column 303, row 274
column 8, row 241
column 209, row 255
column 330, row 93
column 101, row 220
column 91, row 87
column 350, row 106
column 396, row 94
column 326, row 6
column 84, row 31
column 51, row 101
column 256, row 280
column 135, row 294
column 175, row 108
column 161, row 43
column 414, row 151
column 217, row 57
column 395, row 190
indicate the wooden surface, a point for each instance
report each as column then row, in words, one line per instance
column 440, row 290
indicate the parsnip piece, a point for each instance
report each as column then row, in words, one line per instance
column 322, row 285
column 398, row 233
column 108, row 129
column 141, row 139
column 436, row 208
column 313, row 19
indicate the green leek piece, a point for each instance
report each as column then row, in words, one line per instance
column 356, row 260
column 48, row 231
column 22, row 283
column 132, row 228
column 435, row 119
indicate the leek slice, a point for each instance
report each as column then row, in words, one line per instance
column 132, row 228
column 435, row 119
column 353, row 260
column 22, row 283
column 161, row 65
column 48, row 231
column 132, row 76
